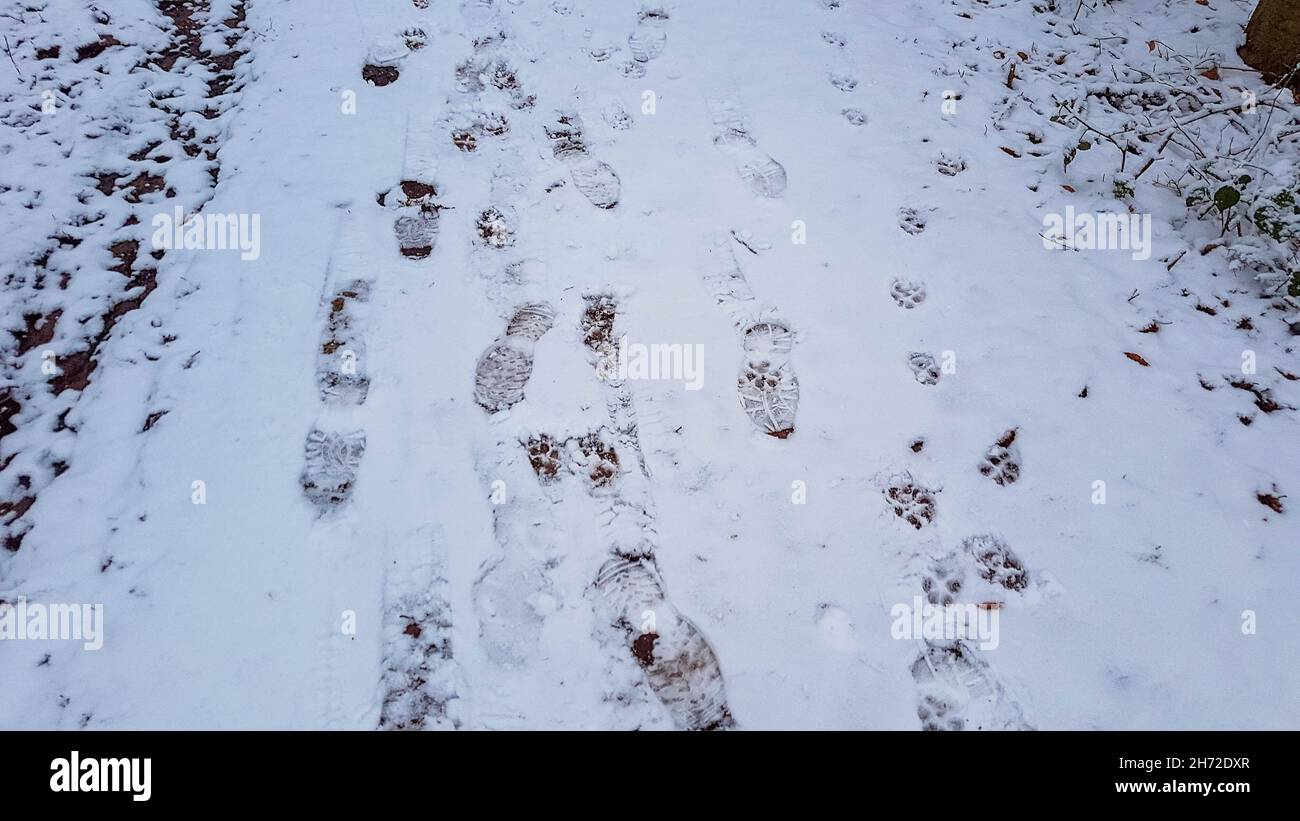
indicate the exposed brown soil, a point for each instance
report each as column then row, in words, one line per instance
column 89, row 50
column 39, row 330
column 379, row 75
column 643, row 648
column 417, row 192
column 1271, row 501
column 78, row 367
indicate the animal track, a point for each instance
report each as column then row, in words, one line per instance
column 590, row 456
column 949, row 165
column 995, row 562
column 844, row 82
column 332, row 460
column 617, row 117
column 504, row 368
column 468, row 130
column 1001, row 461
column 911, row 221
column 831, row 38
column 958, row 691
column 764, row 175
column 854, row 116
column 476, row 74
column 679, row 664
column 907, row 294
column 415, row 38
column 495, row 228
column 943, row 580
column 911, row 502
column 924, row 368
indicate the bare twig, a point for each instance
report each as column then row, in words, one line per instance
column 10, row 53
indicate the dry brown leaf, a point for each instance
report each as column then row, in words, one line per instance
column 1137, row 358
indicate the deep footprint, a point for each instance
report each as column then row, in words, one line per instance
column 340, row 361
column 679, row 664
column 596, row 180
column 765, row 176
column 330, row 472
column 503, row 370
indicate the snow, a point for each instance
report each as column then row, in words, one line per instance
column 768, row 565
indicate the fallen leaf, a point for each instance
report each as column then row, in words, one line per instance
column 1137, row 358
column 1211, row 74
column 1011, row 151
column 1069, row 188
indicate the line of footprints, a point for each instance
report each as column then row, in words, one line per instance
column 956, row 687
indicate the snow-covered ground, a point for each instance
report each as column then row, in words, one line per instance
column 382, row 469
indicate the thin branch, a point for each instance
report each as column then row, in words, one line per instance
column 10, row 53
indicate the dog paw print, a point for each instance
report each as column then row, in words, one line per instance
column 546, row 457
column 924, row 368
column 911, row 221
column 911, row 502
column 949, row 165
column 907, row 294
column 943, row 580
column 844, row 82
column 936, row 714
column 995, row 562
column 1001, row 461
